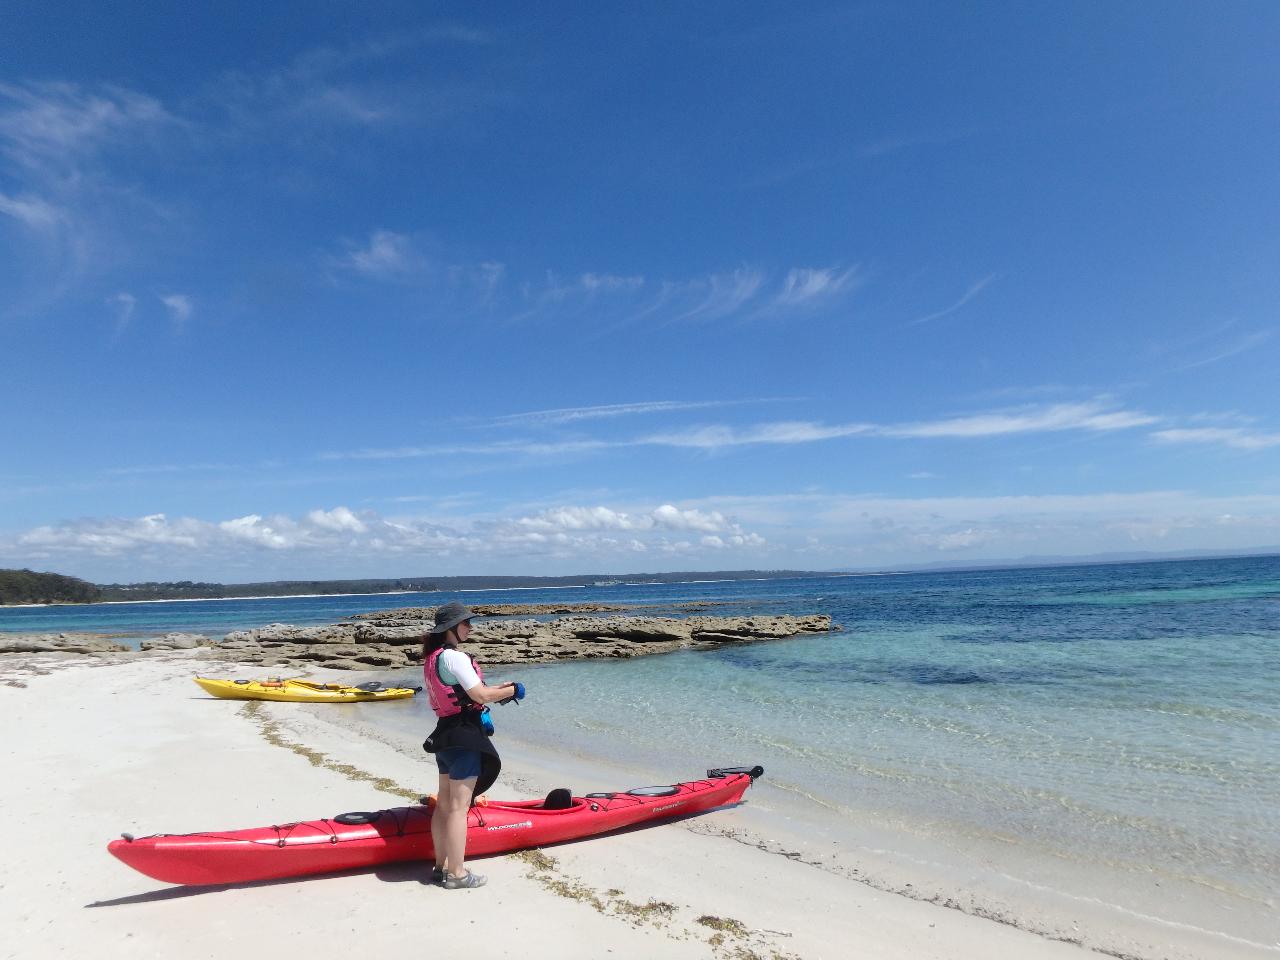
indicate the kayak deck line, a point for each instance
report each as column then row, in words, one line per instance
column 366, row 839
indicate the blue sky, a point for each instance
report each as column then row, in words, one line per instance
column 320, row 290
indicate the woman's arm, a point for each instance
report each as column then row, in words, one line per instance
column 459, row 666
column 482, row 693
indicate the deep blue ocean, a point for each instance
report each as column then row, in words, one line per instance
column 1126, row 714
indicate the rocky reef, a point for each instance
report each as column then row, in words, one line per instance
column 392, row 639
column 396, row 641
column 59, row 643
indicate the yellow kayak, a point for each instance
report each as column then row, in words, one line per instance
column 301, row 691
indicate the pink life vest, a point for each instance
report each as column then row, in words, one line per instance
column 447, row 700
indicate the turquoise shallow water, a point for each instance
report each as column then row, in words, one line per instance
column 1120, row 714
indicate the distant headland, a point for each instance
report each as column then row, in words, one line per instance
column 30, row 587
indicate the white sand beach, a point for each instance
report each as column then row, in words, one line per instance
column 97, row 746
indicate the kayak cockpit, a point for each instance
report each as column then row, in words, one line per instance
column 560, row 798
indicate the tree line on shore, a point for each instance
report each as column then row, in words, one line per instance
column 27, row 586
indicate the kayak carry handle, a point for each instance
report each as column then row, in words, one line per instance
column 752, row 772
column 127, row 837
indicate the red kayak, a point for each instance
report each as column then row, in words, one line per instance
column 353, row 840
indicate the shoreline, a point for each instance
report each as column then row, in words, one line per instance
column 641, row 893
column 282, row 596
column 902, row 856
column 1141, row 906
column 685, row 889
column 398, row 593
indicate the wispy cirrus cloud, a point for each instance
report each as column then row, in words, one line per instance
column 622, row 301
column 611, row 411
column 751, row 293
column 33, row 212
column 497, row 448
column 609, row 300
column 593, row 282
column 887, row 146
column 721, row 294
column 1093, row 417
column 124, row 304
column 343, row 102
column 385, row 254
column 167, row 468
column 1225, row 350
column 53, row 130
column 815, row 163
column 1090, row 417
column 326, row 60
column 335, row 85
column 787, row 432
column 389, row 256
column 804, row 286
column 1239, row 438
column 62, row 145
column 975, row 289
column 180, row 307
column 554, row 292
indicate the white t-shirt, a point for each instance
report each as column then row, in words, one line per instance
column 455, row 667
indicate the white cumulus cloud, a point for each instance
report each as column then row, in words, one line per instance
column 339, row 518
column 160, row 547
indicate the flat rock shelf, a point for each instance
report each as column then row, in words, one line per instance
column 393, row 638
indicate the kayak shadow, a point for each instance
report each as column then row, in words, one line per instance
column 404, row 871
column 407, row 871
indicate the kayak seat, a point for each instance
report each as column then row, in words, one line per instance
column 558, row 799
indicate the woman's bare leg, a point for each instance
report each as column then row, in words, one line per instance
column 454, row 811
column 437, row 822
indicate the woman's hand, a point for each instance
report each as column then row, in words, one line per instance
column 482, row 693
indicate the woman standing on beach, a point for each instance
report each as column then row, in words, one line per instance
column 465, row 756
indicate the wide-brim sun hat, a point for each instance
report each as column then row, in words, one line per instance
column 450, row 615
